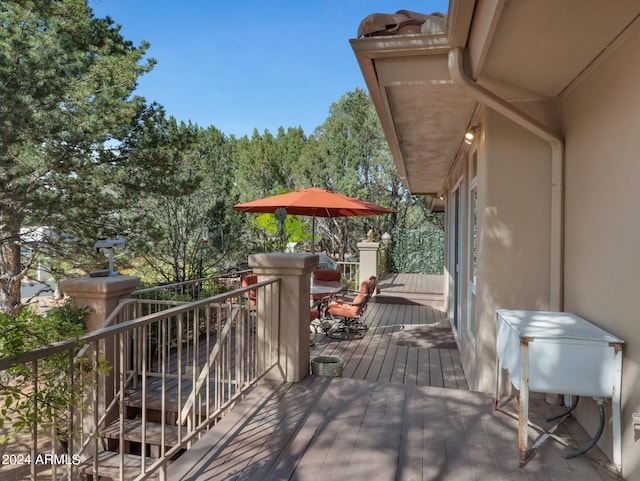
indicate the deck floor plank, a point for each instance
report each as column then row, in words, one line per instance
column 343, row 429
column 399, row 412
column 328, row 459
column 372, row 345
column 436, row 376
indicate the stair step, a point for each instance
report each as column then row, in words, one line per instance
column 133, row 398
column 109, row 466
column 133, row 432
column 154, row 397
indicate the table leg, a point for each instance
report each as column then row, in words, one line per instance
column 615, row 401
column 523, row 405
column 498, row 383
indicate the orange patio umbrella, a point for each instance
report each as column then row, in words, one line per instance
column 314, row 202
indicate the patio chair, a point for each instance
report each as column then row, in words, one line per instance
column 343, row 312
column 250, row 295
column 325, row 275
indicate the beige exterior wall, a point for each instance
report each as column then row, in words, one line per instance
column 602, row 226
column 514, row 191
column 601, row 118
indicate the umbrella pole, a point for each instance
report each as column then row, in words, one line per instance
column 313, row 234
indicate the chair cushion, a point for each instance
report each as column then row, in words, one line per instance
column 337, row 308
column 247, row 281
column 342, row 310
column 327, row 275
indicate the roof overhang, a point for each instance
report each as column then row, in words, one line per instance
column 423, row 115
column 527, row 53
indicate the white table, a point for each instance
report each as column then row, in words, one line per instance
column 558, row 353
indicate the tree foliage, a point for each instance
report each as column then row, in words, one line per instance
column 74, row 144
column 266, row 165
column 348, row 154
column 191, row 235
column 81, row 158
column 55, row 394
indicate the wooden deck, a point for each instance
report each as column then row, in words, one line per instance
column 409, row 338
column 419, row 284
column 401, row 411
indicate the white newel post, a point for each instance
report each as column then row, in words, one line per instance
column 368, row 259
column 294, row 271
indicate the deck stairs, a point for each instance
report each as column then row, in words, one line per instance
column 109, row 458
column 170, row 405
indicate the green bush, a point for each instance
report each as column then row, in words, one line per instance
column 26, row 332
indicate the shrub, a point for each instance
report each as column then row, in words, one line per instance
column 28, row 331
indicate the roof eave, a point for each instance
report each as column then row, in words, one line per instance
column 367, row 50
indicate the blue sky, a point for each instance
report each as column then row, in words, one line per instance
column 252, row 64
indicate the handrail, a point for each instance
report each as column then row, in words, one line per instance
column 125, row 333
column 179, row 286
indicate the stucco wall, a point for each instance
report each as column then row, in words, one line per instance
column 513, row 259
column 602, row 221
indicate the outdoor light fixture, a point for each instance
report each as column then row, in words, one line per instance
column 471, row 134
column 109, row 244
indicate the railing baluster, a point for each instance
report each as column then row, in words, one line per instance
column 34, row 427
column 126, row 344
column 179, row 359
column 70, row 424
column 207, row 360
column 140, row 332
column 228, row 356
column 218, row 377
column 164, row 341
column 96, row 405
column 195, row 363
column 145, row 367
column 164, row 337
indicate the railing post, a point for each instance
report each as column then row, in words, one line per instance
column 387, row 242
column 292, row 333
column 368, row 259
column 102, row 294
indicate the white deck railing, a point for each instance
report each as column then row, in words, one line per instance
column 167, row 370
column 350, row 271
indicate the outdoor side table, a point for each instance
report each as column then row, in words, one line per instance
column 558, row 353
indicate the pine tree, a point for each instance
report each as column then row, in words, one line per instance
column 71, row 134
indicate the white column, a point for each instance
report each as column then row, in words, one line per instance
column 368, row 260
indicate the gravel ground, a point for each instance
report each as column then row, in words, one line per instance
column 12, row 458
